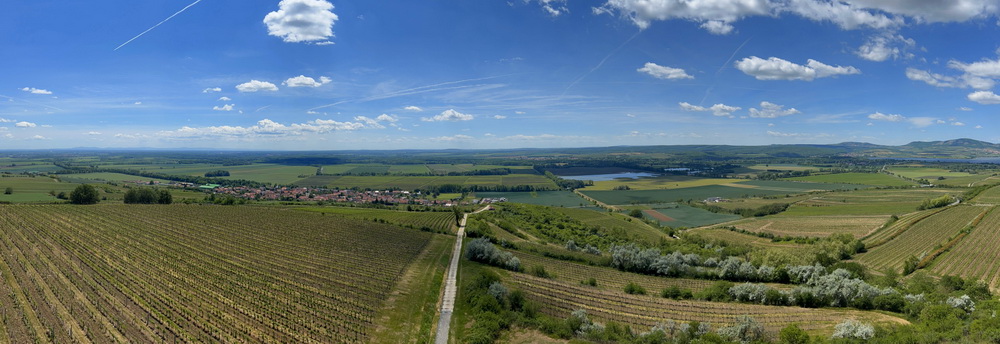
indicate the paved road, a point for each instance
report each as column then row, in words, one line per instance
column 451, row 285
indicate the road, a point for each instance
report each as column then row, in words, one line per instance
column 451, row 284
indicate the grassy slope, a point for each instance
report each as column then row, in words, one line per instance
column 409, row 312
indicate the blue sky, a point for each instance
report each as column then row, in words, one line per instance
column 328, row 75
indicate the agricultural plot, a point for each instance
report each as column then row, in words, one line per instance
column 417, row 182
column 606, row 220
column 921, row 238
column 924, row 172
column 32, row 189
column 101, row 177
column 607, row 278
column 991, row 196
column 865, row 202
column 264, row 173
column 795, row 187
column 812, row 226
column 27, row 167
column 549, row 198
column 800, row 254
column 126, row 273
column 559, row 299
column 744, row 189
column 876, row 179
column 659, row 183
column 435, row 220
column 977, row 256
column 686, row 216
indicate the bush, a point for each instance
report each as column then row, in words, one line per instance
column 482, row 250
column 745, row 330
column 676, row 293
column 853, row 329
column 635, row 289
column 8, row 191
column 539, row 271
column 84, row 194
column 792, row 334
column 591, row 282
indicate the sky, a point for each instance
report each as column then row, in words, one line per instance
column 443, row 74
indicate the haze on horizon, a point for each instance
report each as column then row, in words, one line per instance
column 338, row 75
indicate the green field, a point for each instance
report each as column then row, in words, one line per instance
column 865, row 202
column 32, row 189
column 685, row 216
column 876, row 179
column 658, row 183
column 417, row 182
column 436, row 221
column 729, row 191
column 264, row 173
column 921, row 238
column 615, row 220
column 549, row 198
column 813, row 226
column 106, row 177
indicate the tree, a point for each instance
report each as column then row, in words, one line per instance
column 792, row 334
column 636, row 213
column 84, row 194
column 165, row 197
column 8, row 191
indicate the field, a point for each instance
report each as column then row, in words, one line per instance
column 402, row 169
column 977, row 256
column 549, row 198
column 659, row 183
column 866, row 202
column 932, row 174
column 264, row 173
column 439, row 220
column 812, row 226
column 610, row 220
column 781, row 167
column 642, row 312
column 921, row 238
column 105, row 177
column 32, row 189
column 417, row 182
column 685, row 216
column 991, row 196
column 729, row 191
column 877, row 179
column 120, row 273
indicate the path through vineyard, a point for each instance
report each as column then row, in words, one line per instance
column 450, row 284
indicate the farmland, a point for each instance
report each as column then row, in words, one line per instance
column 32, row 189
column 436, row 221
column 122, row 273
column 549, row 198
column 418, row 182
column 981, row 246
column 658, row 183
column 990, row 196
column 855, row 178
column 686, row 216
column 920, row 239
column 865, row 202
column 730, row 191
column 812, row 226
column 264, row 173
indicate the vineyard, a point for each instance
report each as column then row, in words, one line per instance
column 991, row 196
column 977, row 256
column 641, row 312
column 437, row 221
column 921, row 238
column 812, row 226
column 126, row 273
column 607, row 278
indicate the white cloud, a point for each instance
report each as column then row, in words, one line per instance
column 211, row 90
column 721, row 110
column 723, row 12
column 302, row 21
column 554, row 8
column 984, row 97
column 662, row 72
column 771, row 110
column 844, row 14
column 264, row 128
column 939, row 80
column 256, row 85
column 983, row 69
column 23, row 124
column 137, row 103
column 878, row 116
column 958, row 124
column 500, row 117
column 632, row 116
column 449, row 115
column 413, row 108
column 5, row 120
column 520, row 112
column 979, row 127
column 387, row 118
column 777, row 69
column 921, row 122
column 717, row 27
column 33, row 90
column 885, row 46
column 782, row 134
column 39, row 137
column 226, row 107
column 934, row 11
column 94, row 133
column 458, row 137
column 964, row 108
column 305, row 81
column 224, row 99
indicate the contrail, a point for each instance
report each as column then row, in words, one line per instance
column 415, row 90
column 732, row 56
column 158, row 24
column 598, row 66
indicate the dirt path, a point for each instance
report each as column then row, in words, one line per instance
column 451, row 284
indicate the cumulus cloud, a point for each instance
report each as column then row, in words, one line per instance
column 721, row 12
column 958, row 124
column 305, row 81
column 212, row 90
column 39, row 137
column 5, row 120
column 33, row 90
column 939, row 80
column 226, row 107
column 24, row 124
column 777, row 69
column 878, row 116
column 964, row 108
column 718, row 27
column 721, row 110
column 883, row 47
column 413, row 108
column 844, row 14
column 449, row 115
column 984, row 97
column 256, row 85
column 224, row 99
column 262, row 129
column 554, row 8
column 302, row 21
column 772, row 110
column 387, row 118
column 137, row 103
column 662, row 72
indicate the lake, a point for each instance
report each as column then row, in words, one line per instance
column 611, row 176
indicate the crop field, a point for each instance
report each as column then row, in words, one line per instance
column 549, row 198
column 877, row 179
column 126, row 273
column 686, row 216
column 14, row 166
column 659, row 183
column 813, row 226
column 606, row 220
column 801, row 251
column 641, row 312
column 991, row 196
column 32, row 189
column 921, row 238
column 782, row 167
column 105, row 177
column 417, row 182
column 923, row 172
column 795, row 187
column 977, row 256
column 436, row 220
column 865, row 202
column 264, row 173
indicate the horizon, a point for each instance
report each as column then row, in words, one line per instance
column 317, row 75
